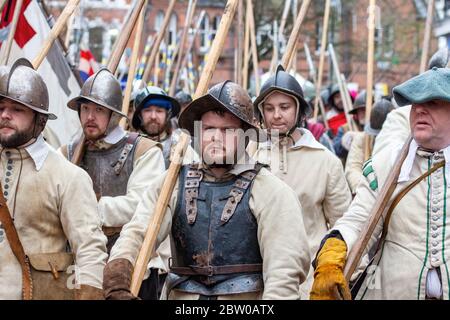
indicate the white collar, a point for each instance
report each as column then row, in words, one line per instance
column 307, row 140
column 115, row 136
column 409, row 161
column 38, row 151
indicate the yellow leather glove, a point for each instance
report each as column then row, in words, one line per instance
column 329, row 280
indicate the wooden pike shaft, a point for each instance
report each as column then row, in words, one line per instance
column 133, row 64
column 427, row 36
column 342, row 87
column 313, row 76
column 251, row 18
column 369, row 81
column 323, row 46
column 240, row 43
column 216, row 48
column 376, row 213
column 149, row 243
column 157, row 43
column 12, row 32
column 295, row 33
column 192, row 40
column 189, row 17
column 56, row 31
column 280, row 31
column 246, row 50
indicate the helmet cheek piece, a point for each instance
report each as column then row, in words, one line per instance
column 40, row 120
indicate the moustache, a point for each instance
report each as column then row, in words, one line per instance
column 7, row 124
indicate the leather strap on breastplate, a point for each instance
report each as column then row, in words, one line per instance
column 192, row 184
column 131, row 141
column 237, row 192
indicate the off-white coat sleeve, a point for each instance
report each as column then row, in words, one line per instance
column 81, row 224
column 355, row 162
column 130, row 241
column 338, row 196
column 282, row 237
column 117, row 211
column 352, row 222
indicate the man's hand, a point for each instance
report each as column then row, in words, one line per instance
column 329, row 281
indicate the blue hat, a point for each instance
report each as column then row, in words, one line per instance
column 431, row 85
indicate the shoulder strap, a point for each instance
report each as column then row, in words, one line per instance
column 240, row 186
column 400, row 196
column 16, row 247
column 131, row 140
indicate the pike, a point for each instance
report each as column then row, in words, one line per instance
column 192, row 39
column 148, row 245
column 342, row 88
column 190, row 14
column 138, row 38
column 114, row 59
column 251, row 20
column 323, row 45
column 157, row 43
column 369, row 84
column 246, row 50
column 279, row 34
column 426, row 41
column 312, row 73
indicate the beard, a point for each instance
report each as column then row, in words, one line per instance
column 16, row 139
column 154, row 128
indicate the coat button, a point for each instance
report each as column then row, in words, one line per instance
column 435, row 218
column 435, row 209
column 435, row 243
column 434, row 251
column 434, row 235
column 434, row 227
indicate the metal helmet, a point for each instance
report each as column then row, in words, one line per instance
column 4, row 70
column 325, row 95
column 183, row 97
column 379, row 113
column 284, row 82
column 228, row 96
column 145, row 95
column 24, row 85
column 360, row 102
column 101, row 88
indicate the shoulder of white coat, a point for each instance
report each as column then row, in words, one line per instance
column 267, row 184
column 58, row 163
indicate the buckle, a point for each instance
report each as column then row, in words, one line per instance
column 210, row 271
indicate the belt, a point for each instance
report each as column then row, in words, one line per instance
column 216, row 270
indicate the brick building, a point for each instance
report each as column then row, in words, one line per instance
column 398, row 37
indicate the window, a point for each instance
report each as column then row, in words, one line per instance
column 159, row 20
column 204, row 34
column 173, row 29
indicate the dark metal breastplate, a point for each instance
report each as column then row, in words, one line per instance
column 214, row 236
column 109, row 169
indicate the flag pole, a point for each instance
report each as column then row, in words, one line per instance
column 12, row 32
